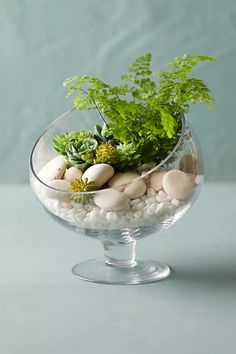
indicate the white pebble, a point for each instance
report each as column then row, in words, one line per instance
column 102, row 212
column 53, row 169
column 156, row 180
column 134, row 208
column 81, row 214
column 129, row 215
column 150, row 192
column 99, row 173
column 151, row 210
column 140, row 205
column 175, row 202
column 72, row 174
column 111, row 199
column 150, row 200
column 161, row 196
column 135, row 201
column 160, row 208
column 138, row 214
column 93, row 214
column 112, row 216
column 178, row 184
column 129, row 183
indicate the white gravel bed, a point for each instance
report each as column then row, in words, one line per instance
column 150, row 208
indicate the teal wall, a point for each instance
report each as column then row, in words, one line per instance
column 42, row 42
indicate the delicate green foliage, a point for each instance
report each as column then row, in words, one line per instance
column 106, row 153
column 82, row 186
column 177, row 89
column 144, row 114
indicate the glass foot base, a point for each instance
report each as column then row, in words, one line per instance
column 97, row 271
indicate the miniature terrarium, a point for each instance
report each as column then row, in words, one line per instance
column 123, row 163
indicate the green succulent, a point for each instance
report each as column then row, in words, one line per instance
column 103, row 135
column 61, row 140
column 129, row 156
column 106, row 153
column 79, row 185
column 81, row 153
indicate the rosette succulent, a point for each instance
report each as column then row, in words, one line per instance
column 62, row 140
column 81, row 153
column 129, row 156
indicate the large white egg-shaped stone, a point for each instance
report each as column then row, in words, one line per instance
column 60, row 186
column 156, row 180
column 111, row 200
column 53, row 169
column 178, row 184
column 72, row 174
column 123, row 182
column 99, row 173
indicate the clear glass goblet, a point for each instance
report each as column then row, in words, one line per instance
column 118, row 231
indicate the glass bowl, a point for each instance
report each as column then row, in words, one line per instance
column 110, row 216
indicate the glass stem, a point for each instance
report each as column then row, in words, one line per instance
column 120, row 255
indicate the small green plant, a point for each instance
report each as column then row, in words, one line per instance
column 107, row 153
column 82, row 186
column 142, row 116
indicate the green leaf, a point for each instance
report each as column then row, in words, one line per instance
column 143, row 113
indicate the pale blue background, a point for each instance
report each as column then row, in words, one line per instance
column 43, row 42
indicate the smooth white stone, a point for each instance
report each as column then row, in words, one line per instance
column 135, row 189
column 53, row 169
column 99, row 173
column 111, row 200
column 178, row 184
column 72, row 174
column 60, row 186
column 124, row 182
column 156, row 180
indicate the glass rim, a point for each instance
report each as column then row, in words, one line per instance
column 154, row 169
